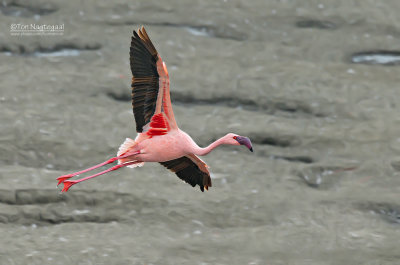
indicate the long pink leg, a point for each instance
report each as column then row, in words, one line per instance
column 69, row 183
column 109, row 161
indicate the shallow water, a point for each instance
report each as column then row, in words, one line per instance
column 322, row 186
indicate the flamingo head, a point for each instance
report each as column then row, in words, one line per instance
column 235, row 139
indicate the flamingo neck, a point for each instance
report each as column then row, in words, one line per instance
column 204, row 151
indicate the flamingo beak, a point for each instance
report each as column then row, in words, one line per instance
column 244, row 141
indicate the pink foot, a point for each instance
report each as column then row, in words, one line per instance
column 64, row 178
column 68, row 184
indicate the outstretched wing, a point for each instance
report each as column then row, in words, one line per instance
column 150, row 84
column 190, row 169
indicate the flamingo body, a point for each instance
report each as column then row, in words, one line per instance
column 161, row 148
column 159, row 139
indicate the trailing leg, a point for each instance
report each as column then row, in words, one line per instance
column 69, row 183
column 109, row 161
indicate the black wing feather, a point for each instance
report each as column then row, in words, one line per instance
column 145, row 81
column 189, row 172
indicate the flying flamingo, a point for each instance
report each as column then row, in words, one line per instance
column 159, row 139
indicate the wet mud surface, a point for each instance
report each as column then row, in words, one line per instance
column 314, row 84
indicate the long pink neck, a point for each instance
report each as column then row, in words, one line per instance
column 204, row 151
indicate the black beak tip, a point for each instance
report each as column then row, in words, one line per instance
column 251, row 149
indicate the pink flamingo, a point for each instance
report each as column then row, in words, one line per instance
column 159, row 139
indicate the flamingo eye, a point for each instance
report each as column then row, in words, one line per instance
column 234, row 137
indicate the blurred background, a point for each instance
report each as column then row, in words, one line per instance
column 314, row 84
